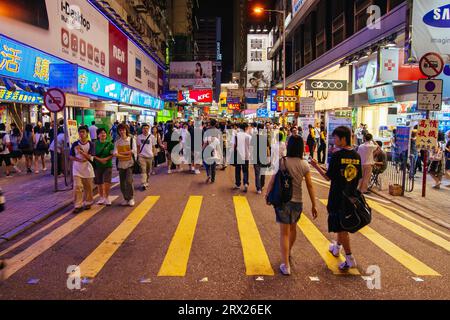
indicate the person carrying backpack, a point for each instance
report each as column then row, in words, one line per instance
column 26, row 146
column 40, row 148
column 5, row 156
column 288, row 203
column 344, row 172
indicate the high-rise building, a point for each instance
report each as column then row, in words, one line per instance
column 181, row 20
column 240, row 37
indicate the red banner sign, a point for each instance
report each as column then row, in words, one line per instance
column 195, row 96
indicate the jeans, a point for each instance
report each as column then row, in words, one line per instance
column 126, row 183
column 259, row 179
column 321, row 153
column 211, row 170
column 244, row 168
column 311, row 145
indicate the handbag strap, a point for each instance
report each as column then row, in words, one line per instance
column 143, row 145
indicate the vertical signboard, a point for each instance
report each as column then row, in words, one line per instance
column 259, row 68
column 118, row 55
column 336, row 119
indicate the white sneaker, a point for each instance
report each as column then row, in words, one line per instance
column 101, row 201
column 335, row 249
column 197, row 171
column 17, row 170
column 285, row 270
column 107, row 202
column 131, row 203
column 124, row 203
column 349, row 263
column 169, row 171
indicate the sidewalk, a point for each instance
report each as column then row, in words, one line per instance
column 30, row 198
column 435, row 206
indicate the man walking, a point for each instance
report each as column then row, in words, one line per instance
column 93, row 131
column 366, row 151
column 146, row 143
column 241, row 147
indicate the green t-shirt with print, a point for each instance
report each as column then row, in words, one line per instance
column 104, row 150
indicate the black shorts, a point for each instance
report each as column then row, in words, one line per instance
column 289, row 213
column 16, row 154
column 334, row 224
column 103, row 175
column 6, row 158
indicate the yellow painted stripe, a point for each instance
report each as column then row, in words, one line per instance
column 321, row 244
column 177, row 256
column 94, row 263
column 408, row 261
column 422, row 232
column 22, row 259
column 46, row 227
column 255, row 256
column 419, row 222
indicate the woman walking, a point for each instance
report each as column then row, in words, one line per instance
column 437, row 165
column 158, row 147
column 40, row 144
column 103, row 166
column 126, row 151
column 16, row 154
column 26, row 146
column 289, row 213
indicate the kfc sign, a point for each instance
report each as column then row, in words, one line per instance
column 195, row 96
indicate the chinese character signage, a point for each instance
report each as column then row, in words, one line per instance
column 22, row 62
column 94, row 84
column 402, row 142
column 20, row 96
column 381, row 94
column 427, row 134
column 141, row 99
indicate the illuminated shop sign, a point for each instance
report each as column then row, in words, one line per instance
column 20, row 96
column 141, row 99
column 94, row 84
column 25, row 63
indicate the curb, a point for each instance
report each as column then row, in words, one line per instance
column 10, row 235
column 415, row 210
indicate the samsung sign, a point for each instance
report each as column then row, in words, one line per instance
column 296, row 6
column 430, row 31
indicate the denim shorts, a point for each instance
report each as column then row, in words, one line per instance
column 289, row 213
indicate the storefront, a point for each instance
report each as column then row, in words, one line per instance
column 166, row 115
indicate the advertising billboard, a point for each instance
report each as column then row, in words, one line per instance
column 94, row 84
column 191, row 75
column 430, row 27
column 259, row 68
column 118, row 55
column 141, row 99
column 22, row 62
column 142, row 71
column 72, row 30
column 364, row 75
column 195, row 96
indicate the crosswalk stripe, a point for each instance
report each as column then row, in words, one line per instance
column 424, row 233
column 321, row 243
column 94, row 263
column 403, row 257
column 255, row 256
column 419, row 222
column 177, row 256
column 22, row 259
column 46, row 227
column 408, row 261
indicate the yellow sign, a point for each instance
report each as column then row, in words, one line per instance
column 287, row 106
column 72, row 130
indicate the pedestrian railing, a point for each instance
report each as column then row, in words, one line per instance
column 400, row 172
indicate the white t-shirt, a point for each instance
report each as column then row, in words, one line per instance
column 5, row 141
column 366, row 152
column 93, row 132
column 82, row 169
column 243, row 144
column 147, row 149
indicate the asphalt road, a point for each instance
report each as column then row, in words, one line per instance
column 188, row 240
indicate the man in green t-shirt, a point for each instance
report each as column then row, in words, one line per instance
column 103, row 166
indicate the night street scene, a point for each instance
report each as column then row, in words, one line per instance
column 225, row 158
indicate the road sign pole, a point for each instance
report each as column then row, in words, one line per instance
column 55, row 150
column 425, row 167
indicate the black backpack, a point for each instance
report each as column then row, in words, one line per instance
column 355, row 213
column 281, row 192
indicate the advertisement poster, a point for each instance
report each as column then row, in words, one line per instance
column 72, row 30
column 191, row 75
column 94, row 84
column 142, row 71
column 259, row 67
column 392, row 66
column 336, row 119
column 430, row 27
column 427, row 134
column 304, row 123
column 118, row 55
column 403, row 142
column 195, row 96
column 72, row 129
column 364, row 75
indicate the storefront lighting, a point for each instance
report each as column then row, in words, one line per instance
column 252, row 29
column 265, row 29
column 259, row 29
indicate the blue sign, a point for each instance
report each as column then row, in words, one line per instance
column 262, row 113
column 273, row 102
column 20, row 96
column 22, row 62
column 64, row 76
column 381, row 94
column 439, row 17
column 403, row 141
column 446, row 77
column 171, row 96
column 94, row 84
column 141, row 99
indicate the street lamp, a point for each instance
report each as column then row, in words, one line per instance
column 260, row 10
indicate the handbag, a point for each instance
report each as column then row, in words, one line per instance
column 356, row 213
column 136, row 166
